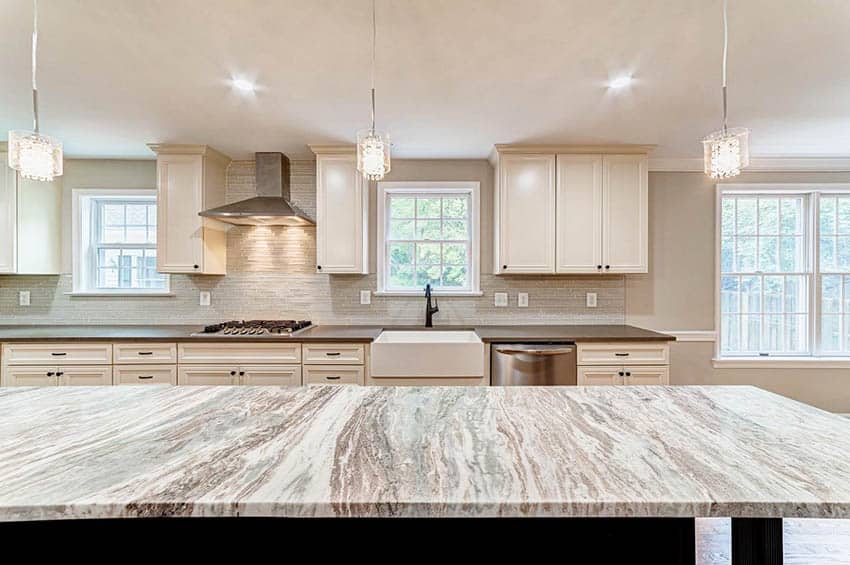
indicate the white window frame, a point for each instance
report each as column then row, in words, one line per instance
column 82, row 262
column 814, row 358
column 431, row 189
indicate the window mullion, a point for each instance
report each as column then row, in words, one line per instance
column 812, row 231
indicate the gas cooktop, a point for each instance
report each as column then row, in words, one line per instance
column 254, row 328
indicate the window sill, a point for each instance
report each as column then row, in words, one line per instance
column 81, row 294
column 421, row 293
column 782, row 363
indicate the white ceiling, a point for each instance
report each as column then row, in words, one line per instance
column 454, row 76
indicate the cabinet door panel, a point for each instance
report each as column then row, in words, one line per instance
column 179, row 242
column 342, row 205
column 588, row 376
column 526, row 214
column 207, row 375
column 647, row 375
column 85, row 376
column 579, row 222
column 625, row 219
column 275, row 375
column 30, row 376
column 8, row 215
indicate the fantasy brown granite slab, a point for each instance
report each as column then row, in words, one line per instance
column 628, row 451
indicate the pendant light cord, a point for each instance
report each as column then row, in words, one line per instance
column 373, row 66
column 725, row 56
column 34, row 64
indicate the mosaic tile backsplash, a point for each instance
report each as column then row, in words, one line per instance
column 271, row 274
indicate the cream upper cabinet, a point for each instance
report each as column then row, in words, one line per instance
column 624, row 213
column 30, row 224
column 342, row 213
column 579, row 221
column 525, row 214
column 190, row 179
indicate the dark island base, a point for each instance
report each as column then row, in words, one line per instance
column 660, row 541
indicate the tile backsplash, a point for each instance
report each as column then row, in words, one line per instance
column 271, row 274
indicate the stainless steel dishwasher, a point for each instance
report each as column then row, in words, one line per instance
column 550, row 364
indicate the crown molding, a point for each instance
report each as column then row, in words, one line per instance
column 339, row 149
column 619, row 149
column 188, row 149
column 757, row 164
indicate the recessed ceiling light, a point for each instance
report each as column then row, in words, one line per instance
column 620, row 82
column 243, row 85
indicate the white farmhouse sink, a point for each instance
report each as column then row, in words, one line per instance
column 427, row 354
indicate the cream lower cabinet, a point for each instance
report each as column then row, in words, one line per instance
column 253, row 375
column 623, row 363
column 74, row 375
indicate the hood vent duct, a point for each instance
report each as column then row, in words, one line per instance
column 271, row 206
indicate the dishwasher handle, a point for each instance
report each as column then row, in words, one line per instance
column 562, row 351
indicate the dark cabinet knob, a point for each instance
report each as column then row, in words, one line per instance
column 241, row 373
column 599, row 266
column 621, row 373
column 607, row 266
column 628, row 374
column 232, row 373
column 59, row 374
column 504, row 267
column 195, row 267
column 318, row 267
column 50, row 374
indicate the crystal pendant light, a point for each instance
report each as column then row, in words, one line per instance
column 727, row 151
column 35, row 156
column 373, row 147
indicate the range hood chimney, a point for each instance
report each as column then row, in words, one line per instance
column 271, row 206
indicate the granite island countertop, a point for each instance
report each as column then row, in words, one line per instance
column 104, row 452
column 325, row 333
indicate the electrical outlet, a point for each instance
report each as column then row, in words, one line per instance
column 205, row 298
column 501, row 299
column 522, row 300
column 365, row 297
column 24, row 298
column 591, row 300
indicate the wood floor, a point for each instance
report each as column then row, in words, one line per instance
column 807, row 542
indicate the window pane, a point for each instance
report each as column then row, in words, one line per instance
column 796, row 297
column 152, row 215
column 772, row 338
column 428, row 207
column 846, row 294
column 791, row 254
column 455, row 229
column 428, row 253
column 113, row 235
column 831, row 333
column 796, row 333
column 727, row 221
column 729, row 333
column 792, row 216
column 827, row 215
column 401, row 229
column 727, row 255
column 768, row 216
column 454, row 207
column 831, row 294
column 113, row 215
column 137, row 214
column 827, row 254
column 843, row 253
column 773, row 289
column 751, row 294
column 107, row 278
column 428, row 229
column 136, row 234
column 844, row 215
column 746, row 223
column 768, row 254
column 402, row 207
column 428, row 275
column 401, row 253
column 745, row 255
column 401, row 276
column 454, row 253
column 454, row 277
column 751, row 333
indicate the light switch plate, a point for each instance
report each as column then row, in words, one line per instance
column 24, row 298
column 591, row 300
column 501, row 299
column 205, row 298
column 365, row 297
column 522, row 300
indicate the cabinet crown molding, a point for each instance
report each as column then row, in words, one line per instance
column 624, row 149
column 188, row 149
column 343, row 149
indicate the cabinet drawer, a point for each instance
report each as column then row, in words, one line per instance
column 623, row 353
column 274, row 375
column 138, row 353
column 207, row 375
column 428, row 381
column 237, row 353
column 334, row 353
column 145, row 374
column 337, row 375
column 85, row 376
column 64, row 353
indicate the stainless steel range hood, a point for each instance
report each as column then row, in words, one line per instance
column 271, row 206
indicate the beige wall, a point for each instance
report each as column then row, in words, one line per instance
column 678, row 291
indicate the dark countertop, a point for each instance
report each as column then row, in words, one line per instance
column 328, row 333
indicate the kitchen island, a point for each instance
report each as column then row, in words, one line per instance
column 570, row 452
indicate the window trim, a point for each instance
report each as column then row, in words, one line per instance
column 473, row 188
column 82, row 268
column 815, row 357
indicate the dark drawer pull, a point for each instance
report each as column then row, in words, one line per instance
column 59, row 354
column 621, row 354
column 145, row 352
column 50, row 373
column 59, row 374
column 333, row 353
column 145, row 377
column 334, row 378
